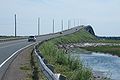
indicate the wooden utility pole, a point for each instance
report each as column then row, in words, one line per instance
column 15, row 26
column 53, row 25
column 38, row 26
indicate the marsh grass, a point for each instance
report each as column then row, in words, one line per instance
column 72, row 68
column 63, row 63
column 114, row 50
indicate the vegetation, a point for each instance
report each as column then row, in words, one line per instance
column 79, row 36
column 107, row 41
column 72, row 68
column 36, row 71
column 114, row 50
column 24, row 67
column 5, row 37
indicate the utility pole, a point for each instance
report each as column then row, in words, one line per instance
column 53, row 25
column 62, row 24
column 78, row 22
column 15, row 26
column 68, row 24
column 38, row 26
column 74, row 22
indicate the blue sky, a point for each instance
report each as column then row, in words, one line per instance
column 103, row 15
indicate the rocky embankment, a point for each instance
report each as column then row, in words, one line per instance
column 79, row 45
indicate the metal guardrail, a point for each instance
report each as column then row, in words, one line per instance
column 48, row 73
column 47, row 69
column 44, row 67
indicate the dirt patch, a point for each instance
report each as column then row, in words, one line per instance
column 20, row 68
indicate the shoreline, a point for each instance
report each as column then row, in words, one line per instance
column 107, row 48
column 79, row 45
column 98, row 75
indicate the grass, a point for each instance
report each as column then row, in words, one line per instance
column 6, row 37
column 24, row 67
column 72, row 68
column 107, row 41
column 63, row 63
column 37, row 73
column 80, row 36
column 114, row 50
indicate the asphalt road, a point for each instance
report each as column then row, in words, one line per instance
column 10, row 47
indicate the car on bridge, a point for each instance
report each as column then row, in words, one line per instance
column 31, row 39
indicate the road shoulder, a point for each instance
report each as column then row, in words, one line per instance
column 20, row 68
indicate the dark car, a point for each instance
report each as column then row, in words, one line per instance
column 31, row 39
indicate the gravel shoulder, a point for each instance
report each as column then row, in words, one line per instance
column 20, row 68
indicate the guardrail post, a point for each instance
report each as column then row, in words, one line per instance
column 61, row 77
column 44, row 60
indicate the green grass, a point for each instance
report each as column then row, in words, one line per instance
column 80, row 36
column 114, row 50
column 37, row 74
column 107, row 41
column 72, row 68
column 63, row 63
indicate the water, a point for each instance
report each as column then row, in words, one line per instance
column 107, row 64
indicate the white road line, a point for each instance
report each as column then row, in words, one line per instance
column 14, row 54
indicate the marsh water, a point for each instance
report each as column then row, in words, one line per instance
column 107, row 64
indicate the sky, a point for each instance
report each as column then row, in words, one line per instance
column 102, row 15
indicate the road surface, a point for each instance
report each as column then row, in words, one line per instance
column 9, row 48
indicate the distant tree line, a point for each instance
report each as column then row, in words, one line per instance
column 109, row 38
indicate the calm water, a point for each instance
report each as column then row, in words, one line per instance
column 107, row 64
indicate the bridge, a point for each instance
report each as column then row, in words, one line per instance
column 9, row 50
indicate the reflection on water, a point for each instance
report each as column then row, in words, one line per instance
column 108, row 64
